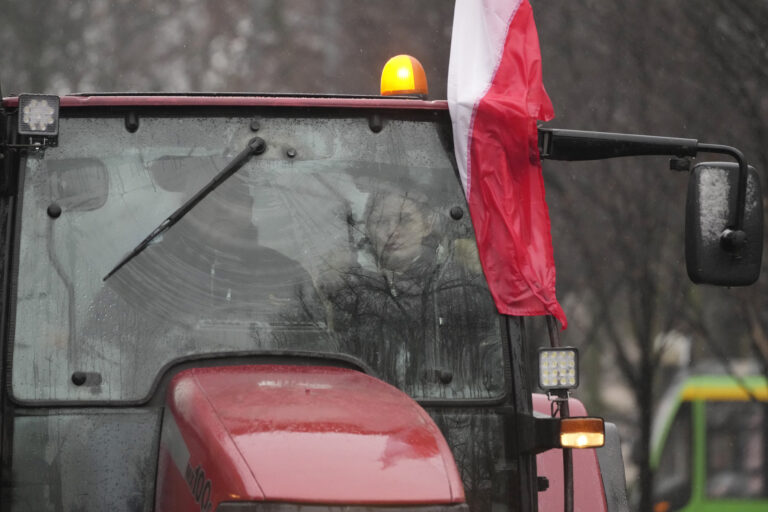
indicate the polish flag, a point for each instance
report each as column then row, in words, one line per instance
column 495, row 97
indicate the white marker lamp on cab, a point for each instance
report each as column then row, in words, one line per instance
column 38, row 115
column 38, row 121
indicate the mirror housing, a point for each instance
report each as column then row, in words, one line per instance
column 716, row 253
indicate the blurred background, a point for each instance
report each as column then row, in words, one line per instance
column 666, row 67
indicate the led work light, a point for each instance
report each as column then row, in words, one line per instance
column 558, row 368
column 38, row 115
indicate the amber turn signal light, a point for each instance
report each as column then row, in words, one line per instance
column 582, row 432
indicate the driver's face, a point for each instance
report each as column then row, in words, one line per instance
column 397, row 227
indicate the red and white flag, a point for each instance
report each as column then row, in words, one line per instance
column 495, row 96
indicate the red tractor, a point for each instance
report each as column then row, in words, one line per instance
column 274, row 303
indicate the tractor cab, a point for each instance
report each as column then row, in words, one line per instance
column 253, row 303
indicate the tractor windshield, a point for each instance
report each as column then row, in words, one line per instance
column 338, row 241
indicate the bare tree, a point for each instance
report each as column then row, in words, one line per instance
column 683, row 69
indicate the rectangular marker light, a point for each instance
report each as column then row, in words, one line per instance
column 582, row 432
column 558, row 368
column 38, row 115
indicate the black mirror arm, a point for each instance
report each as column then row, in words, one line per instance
column 575, row 145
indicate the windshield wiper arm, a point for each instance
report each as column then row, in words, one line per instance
column 256, row 146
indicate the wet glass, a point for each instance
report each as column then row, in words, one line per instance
column 336, row 241
column 737, row 450
column 84, row 460
column 674, row 473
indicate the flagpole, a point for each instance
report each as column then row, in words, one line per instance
column 562, row 399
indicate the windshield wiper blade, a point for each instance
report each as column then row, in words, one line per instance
column 256, row 146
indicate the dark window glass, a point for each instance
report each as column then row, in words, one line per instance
column 672, row 481
column 83, row 461
column 476, row 440
column 736, row 450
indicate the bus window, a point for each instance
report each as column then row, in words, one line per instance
column 673, row 476
column 736, row 450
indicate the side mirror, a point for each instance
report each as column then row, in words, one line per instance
column 711, row 257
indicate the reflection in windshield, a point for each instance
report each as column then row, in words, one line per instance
column 255, row 146
column 211, row 270
column 737, row 447
column 348, row 249
column 404, row 283
column 208, row 283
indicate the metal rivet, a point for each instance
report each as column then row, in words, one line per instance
column 54, row 211
column 78, row 378
column 457, row 212
column 255, row 126
column 375, row 123
column 131, row 122
column 291, row 153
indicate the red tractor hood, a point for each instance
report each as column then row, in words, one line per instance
column 300, row 434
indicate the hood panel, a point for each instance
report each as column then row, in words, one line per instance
column 323, row 435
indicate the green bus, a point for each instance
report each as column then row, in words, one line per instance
column 710, row 445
